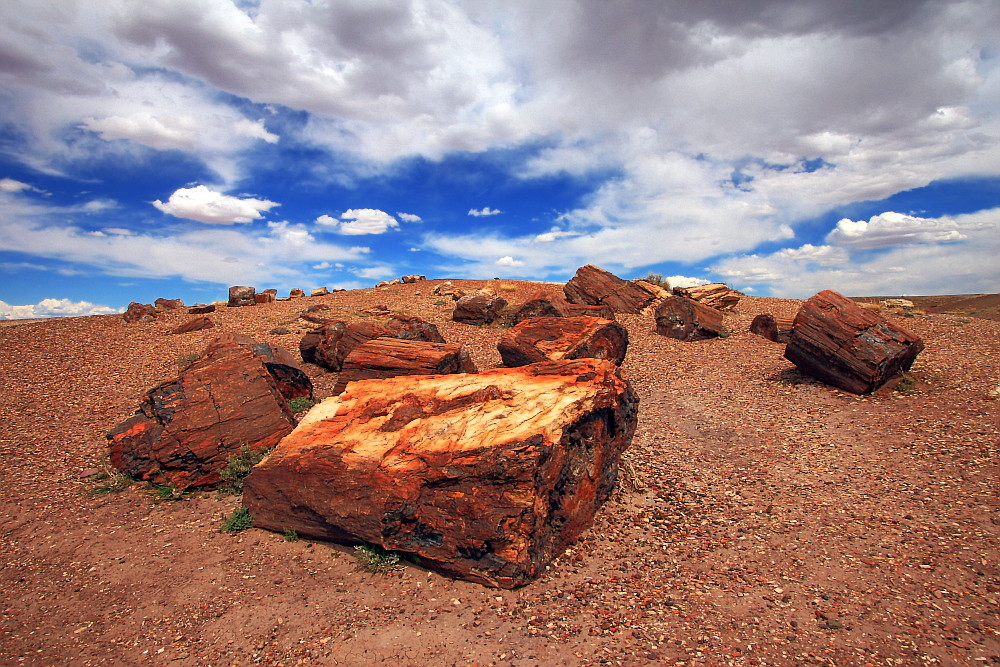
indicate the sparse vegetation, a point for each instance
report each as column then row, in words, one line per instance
column 162, row 492
column 656, row 279
column 375, row 559
column 300, row 404
column 440, row 302
column 239, row 520
column 507, row 287
column 290, row 535
column 113, row 482
column 907, row 383
column 238, row 467
column 185, row 360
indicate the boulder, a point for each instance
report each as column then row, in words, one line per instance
column 242, row 295
column 168, row 304
column 389, row 357
column 776, row 329
column 319, row 291
column 201, row 309
column 197, row 324
column 558, row 338
column 140, row 312
column 543, row 304
column 413, row 279
column 295, row 293
column 715, row 295
column 316, row 307
column 186, row 429
column 264, row 297
column 594, row 286
column 835, row 340
column 486, row 477
column 447, row 289
column 686, row 319
column 478, row 308
column 329, row 345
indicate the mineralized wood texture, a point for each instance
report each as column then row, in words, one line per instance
column 329, row 345
column 485, row 477
column 479, row 308
column 542, row 304
column 835, row 340
column 716, row 295
column 557, row 338
column 776, row 329
column 390, row 357
column 186, row 429
column 595, row 286
column 242, row 295
column 685, row 319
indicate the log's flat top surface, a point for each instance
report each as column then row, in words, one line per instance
column 390, row 420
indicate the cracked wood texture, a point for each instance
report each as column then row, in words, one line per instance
column 685, row 319
column 557, row 338
column 595, row 286
column 391, row 357
column 484, row 477
column 837, row 341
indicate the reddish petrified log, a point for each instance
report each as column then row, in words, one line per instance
column 595, row 286
column 413, row 279
column 542, row 304
column 715, row 295
column 140, row 312
column 186, row 429
column 484, row 477
column 776, row 329
column 557, row 338
column 329, row 345
column 196, row 324
column 295, row 293
column 201, row 309
column 242, row 295
column 685, row 319
column 835, row 340
column 391, row 357
column 263, row 297
column 168, row 304
column 479, row 308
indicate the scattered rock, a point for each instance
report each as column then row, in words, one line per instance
column 319, row 291
column 295, row 293
column 197, row 324
column 479, row 308
column 776, row 329
column 685, row 319
column 140, row 312
column 168, row 304
column 447, row 289
column 484, row 477
column 187, row 428
column 242, row 295
column 280, row 331
column 201, row 309
column 387, row 283
column 557, row 338
column 413, row 278
column 715, row 295
column 595, row 286
column 264, row 297
column 837, row 341
column 390, row 357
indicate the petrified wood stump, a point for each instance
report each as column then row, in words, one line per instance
column 835, row 340
column 685, row 319
column 484, row 477
column 557, row 338
column 242, row 295
column 776, row 329
column 595, row 286
column 390, row 357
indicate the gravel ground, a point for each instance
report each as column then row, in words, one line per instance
column 764, row 518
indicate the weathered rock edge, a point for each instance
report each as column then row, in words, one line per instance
column 484, row 477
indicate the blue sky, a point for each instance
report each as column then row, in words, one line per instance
column 172, row 148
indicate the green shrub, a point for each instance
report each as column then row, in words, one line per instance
column 163, row 492
column 113, row 482
column 656, row 279
column 375, row 559
column 185, row 360
column 300, row 404
column 238, row 467
column 440, row 302
column 907, row 383
column 239, row 520
column 291, row 535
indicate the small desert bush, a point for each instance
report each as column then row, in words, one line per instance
column 112, row 482
column 162, row 492
column 300, row 404
column 185, row 360
column 375, row 559
column 907, row 383
column 290, row 535
column 239, row 520
column 656, row 279
column 440, row 302
column 238, row 467
column 507, row 287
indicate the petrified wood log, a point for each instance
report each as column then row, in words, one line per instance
column 484, row 477
column 329, row 345
column 776, row 329
column 186, row 429
column 542, row 304
column 478, row 308
column 835, row 340
column 556, row 338
column 716, row 295
column 242, row 295
column 201, row 309
column 685, row 319
column 196, row 324
column 594, row 286
column 390, row 357
column 140, row 312
column 168, row 304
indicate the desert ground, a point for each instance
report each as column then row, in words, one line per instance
column 763, row 518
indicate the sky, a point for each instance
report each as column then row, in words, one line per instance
column 173, row 148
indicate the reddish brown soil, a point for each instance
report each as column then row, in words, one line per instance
column 765, row 519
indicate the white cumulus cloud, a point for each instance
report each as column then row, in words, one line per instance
column 893, row 229
column 366, row 221
column 409, row 217
column 204, row 205
column 485, row 211
column 11, row 185
column 52, row 308
column 507, row 260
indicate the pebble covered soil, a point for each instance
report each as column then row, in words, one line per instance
column 762, row 518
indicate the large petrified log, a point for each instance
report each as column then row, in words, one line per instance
column 390, row 357
column 140, row 312
column 330, row 344
column 168, row 304
column 242, row 295
column 485, row 477
column 556, row 338
column 837, row 341
column 543, row 304
column 483, row 307
column 595, row 286
column 716, row 295
column 685, row 319
column 776, row 329
column 186, row 429
column 196, row 324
